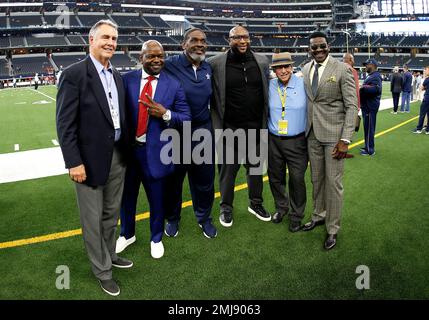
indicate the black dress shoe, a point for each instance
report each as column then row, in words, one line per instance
column 294, row 226
column 278, row 217
column 312, row 224
column 331, row 241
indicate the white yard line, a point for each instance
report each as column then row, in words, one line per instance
column 33, row 164
column 17, row 147
column 32, row 90
column 55, row 142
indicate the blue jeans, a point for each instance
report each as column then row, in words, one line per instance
column 405, row 105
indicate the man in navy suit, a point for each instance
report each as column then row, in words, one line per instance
column 370, row 95
column 166, row 106
column 407, row 79
column 93, row 135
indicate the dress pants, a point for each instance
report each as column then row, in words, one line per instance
column 138, row 172
column 228, row 173
column 99, row 213
column 424, row 110
column 290, row 153
column 395, row 97
column 201, row 183
column 369, row 122
column 326, row 176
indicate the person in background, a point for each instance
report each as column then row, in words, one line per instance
column 407, row 79
column 396, row 88
column 370, row 94
column 424, row 107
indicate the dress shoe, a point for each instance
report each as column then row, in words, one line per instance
column 156, row 249
column 312, row 224
column 331, row 241
column 122, row 263
column 122, row 243
column 110, row 287
column 294, row 226
column 278, row 217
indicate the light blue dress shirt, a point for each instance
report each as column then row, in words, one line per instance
column 296, row 106
column 108, row 81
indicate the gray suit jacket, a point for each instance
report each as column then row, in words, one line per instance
column 332, row 111
column 217, row 104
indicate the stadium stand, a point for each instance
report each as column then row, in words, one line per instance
column 4, row 70
column 88, row 20
column 78, row 39
column 129, row 21
column 157, row 22
column 30, row 21
column 66, row 21
column 28, row 66
column 64, row 60
column 34, row 41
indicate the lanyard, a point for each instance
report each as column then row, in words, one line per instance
column 283, row 97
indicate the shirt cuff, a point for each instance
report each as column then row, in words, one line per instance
column 346, row 141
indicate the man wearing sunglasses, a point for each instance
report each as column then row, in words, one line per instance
column 239, row 101
column 332, row 110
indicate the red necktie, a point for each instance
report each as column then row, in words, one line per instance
column 143, row 113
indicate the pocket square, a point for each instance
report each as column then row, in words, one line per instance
column 332, row 79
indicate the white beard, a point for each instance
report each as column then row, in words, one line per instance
column 197, row 57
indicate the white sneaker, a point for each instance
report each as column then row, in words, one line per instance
column 156, row 249
column 122, row 243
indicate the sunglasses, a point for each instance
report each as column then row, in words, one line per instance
column 322, row 46
column 244, row 37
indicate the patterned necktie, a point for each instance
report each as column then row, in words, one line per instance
column 315, row 82
column 143, row 113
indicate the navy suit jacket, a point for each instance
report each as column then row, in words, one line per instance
column 84, row 124
column 406, row 82
column 170, row 94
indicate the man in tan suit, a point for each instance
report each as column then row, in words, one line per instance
column 332, row 110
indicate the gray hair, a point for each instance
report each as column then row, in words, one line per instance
column 148, row 42
column 396, row 69
column 95, row 27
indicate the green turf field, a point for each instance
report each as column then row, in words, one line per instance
column 384, row 227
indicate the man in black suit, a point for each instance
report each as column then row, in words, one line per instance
column 395, row 88
column 92, row 132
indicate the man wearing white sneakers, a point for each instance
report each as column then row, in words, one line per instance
column 154, row 101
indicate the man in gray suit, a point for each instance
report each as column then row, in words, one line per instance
column 239, row 101
column 332, row 110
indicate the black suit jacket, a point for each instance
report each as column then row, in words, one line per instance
column 84, row 124
column 396, row 83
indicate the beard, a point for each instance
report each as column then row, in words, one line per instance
column 197, row 57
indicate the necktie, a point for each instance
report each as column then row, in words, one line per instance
column 315, row 82
column 143, row 113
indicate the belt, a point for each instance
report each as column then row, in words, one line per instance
column 288, row 137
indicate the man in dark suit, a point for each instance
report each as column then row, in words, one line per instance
column 155, row 102
column 395, row 88
column 92, row 132
column 239, row 101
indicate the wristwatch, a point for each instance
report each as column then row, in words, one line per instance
column 166, row 116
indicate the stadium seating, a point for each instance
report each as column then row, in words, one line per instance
column 125, row 21
column 157, row 22
column 27, row 21
column 77, row 39
column 28, row 66
column 46, row 41
column 89, row 20
column 4, row 70
column 66, row 60
column 68, row 21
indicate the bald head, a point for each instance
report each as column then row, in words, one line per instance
column 152, row 57
column 239, row 40
column 349, row 59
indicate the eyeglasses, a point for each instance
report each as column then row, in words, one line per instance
column 236, row 38
column 322, row 46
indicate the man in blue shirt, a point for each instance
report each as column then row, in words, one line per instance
column 191, row 69
column 370, row 95
column 407, row 79
column 287, row 146
column 424, row 107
